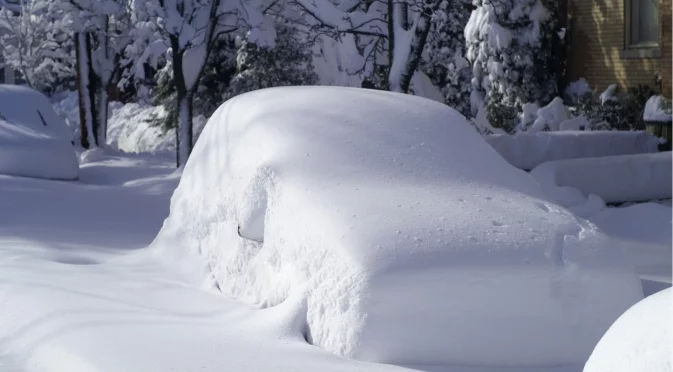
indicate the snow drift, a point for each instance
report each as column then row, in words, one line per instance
column 639, row 341
column 404, row 235
column 622, row 178
column 34, row 141
column 527, row 150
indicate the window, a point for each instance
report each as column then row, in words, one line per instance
column 644, row 23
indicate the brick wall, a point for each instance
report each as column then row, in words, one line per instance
column 597, row 42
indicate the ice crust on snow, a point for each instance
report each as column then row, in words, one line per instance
column 405, row 236
column 34, row 141
column 528, row 150
column 621, row 178
column 641, row 340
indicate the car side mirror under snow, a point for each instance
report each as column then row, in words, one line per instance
column 248, row 236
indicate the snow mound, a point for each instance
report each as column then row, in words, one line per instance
column 575, row 124
column 639, row 341
column 405, row 236
column 34, row 141
column 91, row 156
column 528, row 150
column 621, row 178
column 550, row 117
column 657, row 109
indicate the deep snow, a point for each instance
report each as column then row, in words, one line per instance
column 79, row 294
column 405, row 236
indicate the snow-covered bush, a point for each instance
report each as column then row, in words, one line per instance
column 513, row 47
column 576, row 90
column 615, row 110
column 335, row 199
column 658, row 108
column 445, row 64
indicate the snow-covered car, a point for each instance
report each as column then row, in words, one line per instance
column 390, row 231
column 34, row 140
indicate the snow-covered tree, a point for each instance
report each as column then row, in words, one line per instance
column 213, row 86
column 288, row 62
column 445, row 62
column 185, row 30
column 33, row 41
column 390, row 35
column 512, row 45
column 101, row 29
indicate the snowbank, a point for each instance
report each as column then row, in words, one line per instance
column 644, row 222
column 405, row 236
column 528, row 150
column 621, row 178
column 639, row 341
column 34, row 141
column 657, row 109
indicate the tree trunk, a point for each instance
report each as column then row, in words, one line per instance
column 103, row 100
column 183, row 130
column 86, row 109
column 185, row 117
column 92, row 89
column 417, row 44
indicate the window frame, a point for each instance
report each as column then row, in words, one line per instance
column 630, row 22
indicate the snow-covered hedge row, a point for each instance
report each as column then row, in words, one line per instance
column 528, row 150
column 622, row 178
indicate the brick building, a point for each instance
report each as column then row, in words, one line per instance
column 625, row 42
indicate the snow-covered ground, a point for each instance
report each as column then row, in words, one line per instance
column 78, row 292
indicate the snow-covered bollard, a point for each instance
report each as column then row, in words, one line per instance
column 398, row 230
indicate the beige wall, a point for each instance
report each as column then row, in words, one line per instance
column 597, row 44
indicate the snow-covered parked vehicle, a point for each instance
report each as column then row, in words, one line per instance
column 34, row 140
column 391, row 232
